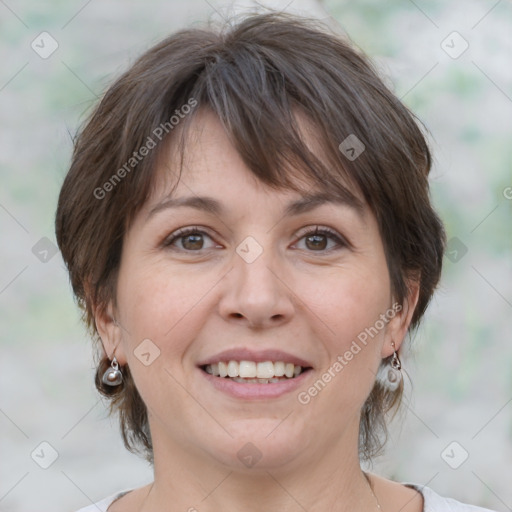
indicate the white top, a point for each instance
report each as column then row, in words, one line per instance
column 432, row 502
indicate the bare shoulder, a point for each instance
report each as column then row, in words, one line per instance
column 131, row 501
column 396, row 496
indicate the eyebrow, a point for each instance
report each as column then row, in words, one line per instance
column 305, row 204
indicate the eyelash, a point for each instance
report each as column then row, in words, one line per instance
column 182, row 233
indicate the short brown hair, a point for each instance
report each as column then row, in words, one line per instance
column 255, row 75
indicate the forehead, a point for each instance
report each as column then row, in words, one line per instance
column 202, row 158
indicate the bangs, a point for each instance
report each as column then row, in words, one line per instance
column 275, row 134
column 287, row 114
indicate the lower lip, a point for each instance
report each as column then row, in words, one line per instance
column 254, row 391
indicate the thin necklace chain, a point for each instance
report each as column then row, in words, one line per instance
column 365, row 475
column 371, row 489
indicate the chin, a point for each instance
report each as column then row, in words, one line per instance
column 259, row 444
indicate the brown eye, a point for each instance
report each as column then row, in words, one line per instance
column 192, row 242
column 188, row 239
column 317, row 240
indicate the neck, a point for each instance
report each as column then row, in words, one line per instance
column 192, row 481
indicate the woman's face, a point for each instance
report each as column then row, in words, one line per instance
column 251, row 278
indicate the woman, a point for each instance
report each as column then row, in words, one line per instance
column 247, row 227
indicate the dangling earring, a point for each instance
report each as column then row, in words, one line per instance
column 390, row 375
column 394, row 373
column 113, row 376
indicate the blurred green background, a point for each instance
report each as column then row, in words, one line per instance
column 459, row 362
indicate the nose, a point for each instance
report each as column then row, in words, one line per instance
column 257, row 293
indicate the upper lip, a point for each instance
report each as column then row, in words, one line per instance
column 259, row 356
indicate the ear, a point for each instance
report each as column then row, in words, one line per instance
column 110, row 333
column 398, row 325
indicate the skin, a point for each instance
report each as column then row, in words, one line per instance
column 197, row 297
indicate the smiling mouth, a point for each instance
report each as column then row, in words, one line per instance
column 250, row 372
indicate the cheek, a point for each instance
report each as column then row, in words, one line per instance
column 159, row 314
column 349, row 300
column 158, row 303
column 352, row 334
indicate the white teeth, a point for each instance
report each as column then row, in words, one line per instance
column 223, row 369
column 288, row 370
column 250, row 371
column 266, row 370
column 279, row 369
column 233, row 369
column 247, row 369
